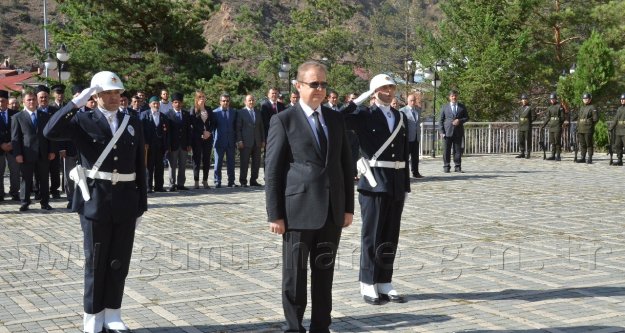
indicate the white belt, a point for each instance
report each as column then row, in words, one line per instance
column 114, row 177
column 387, row 164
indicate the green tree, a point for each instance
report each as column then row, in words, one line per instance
column 150, row 43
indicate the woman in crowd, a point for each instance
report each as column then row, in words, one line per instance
column 202, row 139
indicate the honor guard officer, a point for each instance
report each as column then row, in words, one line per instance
column 111, row 194
column 554, row 118
column 618, row 126
column 586, row 118
column 385, row 180
column 527, row 115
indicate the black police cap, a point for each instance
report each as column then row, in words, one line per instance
column 41, row 88
column 59, row 88
column 177, row 97
column 77, row 88
column 4, row 94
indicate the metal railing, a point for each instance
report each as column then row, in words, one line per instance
column 489, row 138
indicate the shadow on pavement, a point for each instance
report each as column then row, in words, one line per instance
column 527, row 295
column 453, row 177
column 364, row 323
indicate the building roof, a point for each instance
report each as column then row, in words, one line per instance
column 15, row 82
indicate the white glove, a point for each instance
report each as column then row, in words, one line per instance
column 83, row 97
column 362, row 97
column 138, row 221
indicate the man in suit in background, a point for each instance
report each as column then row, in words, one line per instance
column 224, row 134
column 413, row 118
column 59, row 96
column 453, row 117
column 156, row 130
column 250, row 140
column 180, row 142
column 333, row 101
column 309, row 196
column 270, row 107
column 43, row 99
column 32, row 151
column 6, row 155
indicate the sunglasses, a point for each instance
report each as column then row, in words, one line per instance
column 316, row 85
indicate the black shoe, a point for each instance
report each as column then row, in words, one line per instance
column 589, row 161
column 23, row 207
column 583, row 160
column 371, row 300
column 244, row 185
column 15, row 198
column 69, row 205
column 56, row 195
column 255, row 184
column 160, row 189
column 393, row 298
column 446, row 170
column 37, row 196
column 218, row 186
column 233, row 185
column 527, row 157
column 46, row 207
column 182, row 188
column 458, row 169
column 552, row 158
column 108, row 330
column 150, row 190
column 417, row 175
column 520, row 156
column 619, row 163
column 173, row 188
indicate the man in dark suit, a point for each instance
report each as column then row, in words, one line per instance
column 270, row 107
column 6, row 155
column 224, row 134
column 32, row 151
column 250, row 140
column 333, row 101
column 381, row 201
column 179, row 142
column 309, row 196
column 453, row 117
column 111, row 198
column 43, row 100
column 155, row 129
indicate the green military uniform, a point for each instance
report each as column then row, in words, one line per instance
column 554, row 117
column 527, row 115
column 618, row 125
column 587, row 117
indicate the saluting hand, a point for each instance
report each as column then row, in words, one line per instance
column 82, row 98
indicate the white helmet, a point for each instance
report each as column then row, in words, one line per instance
column 380, row 80
column 106, row 80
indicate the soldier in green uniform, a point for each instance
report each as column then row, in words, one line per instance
column 586, row 118
column 554, row 117
column 527, row 115
column 618, row 126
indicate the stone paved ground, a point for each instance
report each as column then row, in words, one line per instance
column 509, row 246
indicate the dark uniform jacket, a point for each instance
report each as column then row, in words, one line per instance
column 554, row 117
column 155, row 136
column 586, row 118
column 618, row 125
column 29, row 141
column 180, row 129
column 372, row 130
column 527, row 116
column 90, row 132
column 301, row 186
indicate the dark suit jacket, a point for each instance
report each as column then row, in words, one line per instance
column 266, row 112
column 301, row 186
column 250, row 131
column 224, row 131
column 29, row 141
column 50, row 110
column 179, row 130
column 155, row 136
column 447, row 118
column 5, row 129
column 199, row 126
column 90, row 132
column 372, row 130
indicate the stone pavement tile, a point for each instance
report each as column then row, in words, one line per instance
column 507, row 246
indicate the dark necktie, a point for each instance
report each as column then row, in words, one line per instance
column 321, row 135
column 226, row 114
column 33, row 117
column 179, row 115
column 453, row 108
column 3, row 116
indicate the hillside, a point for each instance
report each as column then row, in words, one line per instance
column 24, row 19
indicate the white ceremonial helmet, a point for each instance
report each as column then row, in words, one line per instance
column 106, row 80
column 380, row 80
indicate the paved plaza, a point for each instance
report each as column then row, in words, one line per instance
column 511, row 245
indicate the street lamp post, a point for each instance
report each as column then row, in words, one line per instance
column 285, row 72
column 62, row 56
column 436, row 82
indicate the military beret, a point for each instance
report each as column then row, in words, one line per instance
column 176, row 97
column 77, row 88
column 41, row 88
column 4, row 94
column 153, row 99
column 59, row 88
